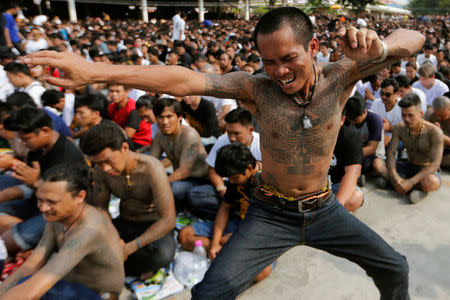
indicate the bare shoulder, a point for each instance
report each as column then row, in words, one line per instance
column 148, row 162
column 190, row 135
column 433, row 130
column 234, row 85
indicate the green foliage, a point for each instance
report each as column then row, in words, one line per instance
column 430, row 7
column 260, row 10
column 358, row 5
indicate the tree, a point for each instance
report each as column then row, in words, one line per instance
column 358, row 5
column 430, row 7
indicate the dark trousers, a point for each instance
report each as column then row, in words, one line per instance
column 267, row 232
column 150, row 257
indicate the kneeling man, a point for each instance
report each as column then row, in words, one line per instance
column 424, row 144
column 79, row 255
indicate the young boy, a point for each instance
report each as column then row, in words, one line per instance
column 236, row 162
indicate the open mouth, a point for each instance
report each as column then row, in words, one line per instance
column 287, row 81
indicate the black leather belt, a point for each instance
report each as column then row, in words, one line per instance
column 302, row 204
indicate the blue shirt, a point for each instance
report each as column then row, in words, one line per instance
column 12, row 27
column 58, row 124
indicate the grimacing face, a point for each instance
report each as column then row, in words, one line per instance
column 285, row 60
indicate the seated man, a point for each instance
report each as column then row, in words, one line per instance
column 428, row 84
column 21, row 222
column 201, row 115
column 183, row 147
column 147, row 213
column 346, row 167
column 79, row 255
column 386, row 107
column 369, row 126
column 404, row 87
column 236, row 162
column 439, row 115
column 424, row 144
column 204, row 200
column 123, row 111
column 20, row 77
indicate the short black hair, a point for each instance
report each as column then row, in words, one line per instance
column 388, row 82
column 95, row 102
column 20, row 99
column 145, row 101
column 239, row 115
column 28, row 119
column 78, row 177
column 403, row 81
column 411, row 99
column 153, row 51
column 354, row 107
column 161, row 104
column 397, row 63
column 102, row 136
column 233, row 159
column 15, row 68
column 5, row 111
column 300, row 23
column 411, row 64
column 51, row 97
column 373, row 78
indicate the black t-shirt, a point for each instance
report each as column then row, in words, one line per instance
column 204, row 119
column 63, row 151
column 238, row 196
column 216, row 54
column 348, row 151
column 133, row 120
column 2, row 31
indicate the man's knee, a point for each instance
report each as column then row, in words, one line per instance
column 185, row 236
column 430, row 183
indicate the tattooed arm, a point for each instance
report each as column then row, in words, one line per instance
column 189, row 155
column 102, row 193
column 163, row 200
column 390, row 155
column 172, row 80
column 155, row 146
column 37, row 259
column 362, row 47
column 77, row 246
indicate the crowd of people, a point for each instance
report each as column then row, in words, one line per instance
column 195, row 144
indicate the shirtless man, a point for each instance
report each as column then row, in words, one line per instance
column 147, row 213
column 298, row 106
column 424, row 144
column 79, row 255
column 439, row 115
column 183, row 147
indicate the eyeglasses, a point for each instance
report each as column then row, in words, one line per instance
column 387, row 95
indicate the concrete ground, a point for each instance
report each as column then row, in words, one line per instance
column 420, row 232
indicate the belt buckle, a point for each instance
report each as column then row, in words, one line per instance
column 301, row 202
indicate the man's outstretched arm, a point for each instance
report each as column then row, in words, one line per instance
column 172, row 80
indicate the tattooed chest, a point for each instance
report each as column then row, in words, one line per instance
column 288, row 139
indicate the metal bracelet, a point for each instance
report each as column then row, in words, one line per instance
column 138, row 242
column 384, row 54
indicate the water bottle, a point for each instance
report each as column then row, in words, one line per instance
column 190, row 267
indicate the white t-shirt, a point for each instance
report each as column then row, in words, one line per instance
column 421, row 59
column 221, row 102
column 178, row 26
column 394, row 116
column 223, row 140
column 422, row 97
column 321, row 58
column 33, row 46
column 35, row 90
column 438, row 89
column 135, row 94
column 6, row 88
column 69, row 108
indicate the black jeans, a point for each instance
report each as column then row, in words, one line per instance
column 267, row 232
column 150, row 257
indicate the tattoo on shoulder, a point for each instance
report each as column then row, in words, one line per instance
column 226, row 86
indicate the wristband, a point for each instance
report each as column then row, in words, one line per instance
column 138, row 242
column 384, row 54
column 221, row 188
